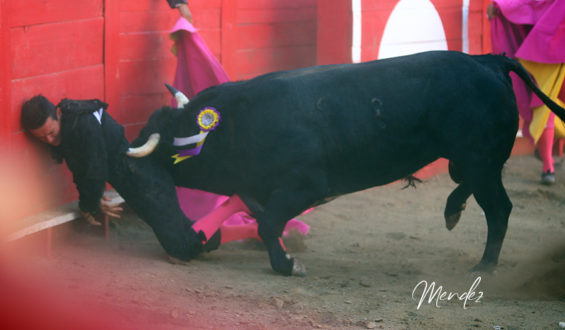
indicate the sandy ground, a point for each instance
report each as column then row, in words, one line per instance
column 365, row 255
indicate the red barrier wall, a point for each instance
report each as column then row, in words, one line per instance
column 118, row 51
column 336, row 24
column 269, row 35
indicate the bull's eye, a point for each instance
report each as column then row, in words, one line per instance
column 208, row 119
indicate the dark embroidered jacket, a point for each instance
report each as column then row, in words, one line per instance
column 88, row 147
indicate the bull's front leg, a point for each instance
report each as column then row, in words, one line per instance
column 283, row 205
column 281, row 261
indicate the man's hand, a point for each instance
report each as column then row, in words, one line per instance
column 90, row 218
column 185, row 12
column 112, row 210
column 491, row 11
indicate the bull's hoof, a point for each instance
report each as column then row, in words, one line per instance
column 213, row 243
column 298, row 269
column 453, row 218
column 288, row 266
column 176, row 261
column 483, row 269
column 192, row 246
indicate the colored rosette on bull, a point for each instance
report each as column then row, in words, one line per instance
column 208, row 119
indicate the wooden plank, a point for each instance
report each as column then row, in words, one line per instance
column 162, row 20
column 143, row 5
column 486, row 42
column 48, row 242
column 44, row 220
column 255, row 36
column 143, row 46
column 31, row 184
column 132, row 130
column 142, row 16
column 198, row 4
column 31, row 12
column 155, row 44
column 54, row 217
column 112, row 49
column 276, row 15
column 386, row 5
column 277, row 3
column 5, row 69
column 47, row 48
column 61, row 183
column 136, row 109
column 334, row 32
column 447, row 4
column 229, row 37
column 206, row 18
column 374, row 21
column 476, row 27
column 451, row 18
column 146, row 76
column 213, row 39
column 151, row 5
column 80, row 83
column 265, row 60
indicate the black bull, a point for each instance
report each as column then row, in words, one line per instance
column 292, row 140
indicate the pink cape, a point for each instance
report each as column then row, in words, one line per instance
column 532, row 30
column 198, row 69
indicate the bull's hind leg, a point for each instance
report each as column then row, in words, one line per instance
column 491, row 196
column 456, row 203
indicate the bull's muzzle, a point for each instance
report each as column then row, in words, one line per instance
column 145, row 149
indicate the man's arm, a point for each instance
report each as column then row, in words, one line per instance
column 89, row 163
column 182, row 6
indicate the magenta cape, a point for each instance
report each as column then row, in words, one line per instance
column 531, row 30
column 538, row 31
column 198, row 69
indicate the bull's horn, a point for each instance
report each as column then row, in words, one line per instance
column 179, row 96
column 145, row 149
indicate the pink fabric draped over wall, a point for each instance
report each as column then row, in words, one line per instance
column 533, row 30
column 198, row 69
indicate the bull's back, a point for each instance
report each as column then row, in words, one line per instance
column 361, row 125
column 372, row 123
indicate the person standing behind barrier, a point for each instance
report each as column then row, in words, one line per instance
column 533, row 31
column 182, row 6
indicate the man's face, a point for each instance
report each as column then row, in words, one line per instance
column 49, row 132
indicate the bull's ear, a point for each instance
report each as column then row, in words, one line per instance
column 181, row 99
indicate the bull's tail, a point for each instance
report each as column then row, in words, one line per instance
column 515, row 66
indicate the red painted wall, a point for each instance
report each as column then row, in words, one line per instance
column 119, row 51
column 269, row 35
column 55, row 48
column 334, row 33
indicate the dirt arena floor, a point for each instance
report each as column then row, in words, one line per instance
column 367, row 255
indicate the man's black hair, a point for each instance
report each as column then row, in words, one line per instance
column 36, row 111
